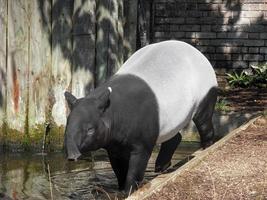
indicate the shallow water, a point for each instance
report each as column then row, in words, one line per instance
column 36, row 176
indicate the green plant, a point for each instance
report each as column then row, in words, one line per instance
column 256, row 75
column 241, row 80
column 259, row 74
column 222, row 105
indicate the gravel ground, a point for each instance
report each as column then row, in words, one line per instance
column 238, row 170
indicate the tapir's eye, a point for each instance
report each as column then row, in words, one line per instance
column 90, row 131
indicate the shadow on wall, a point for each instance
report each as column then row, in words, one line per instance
column 89, row 35
column 2, row 75
column 2, row 84
column 237, row 36
column 241, row 35
column 230, row 33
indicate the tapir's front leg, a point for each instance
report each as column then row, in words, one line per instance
column 119, row 165
column 137, row 165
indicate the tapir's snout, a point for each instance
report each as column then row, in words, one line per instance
column 72, row 151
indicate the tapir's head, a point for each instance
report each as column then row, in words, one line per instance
column 87, row 128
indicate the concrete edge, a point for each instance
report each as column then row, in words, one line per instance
column 160, row 181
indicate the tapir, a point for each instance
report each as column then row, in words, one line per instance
column 155, row 94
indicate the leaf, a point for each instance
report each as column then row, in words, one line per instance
column 229, row 75
column 254, row 66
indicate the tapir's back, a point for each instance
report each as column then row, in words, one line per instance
column 179, row 75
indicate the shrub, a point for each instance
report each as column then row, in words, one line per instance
column 256, row 75
column 239, row 79
column 222, row 105
column 259, row 75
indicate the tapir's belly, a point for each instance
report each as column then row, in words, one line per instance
column 180, row 77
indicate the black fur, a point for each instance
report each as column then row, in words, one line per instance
column 203, row 118
column 124, row 122
column 166, row 152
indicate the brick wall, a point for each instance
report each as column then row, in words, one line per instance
column 231, row 33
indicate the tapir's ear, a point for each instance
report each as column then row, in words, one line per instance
column 70, row 99
column 103, row 100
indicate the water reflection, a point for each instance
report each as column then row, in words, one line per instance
column 25, row 176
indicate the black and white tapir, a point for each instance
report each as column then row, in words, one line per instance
column 154, row 95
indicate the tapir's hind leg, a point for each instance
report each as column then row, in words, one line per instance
column 203, row 118
column 166, row 152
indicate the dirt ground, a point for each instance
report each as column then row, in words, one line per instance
column 245, row 99
column 238, row 170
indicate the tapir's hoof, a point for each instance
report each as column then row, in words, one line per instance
column 160, row 168
column 207, row 144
